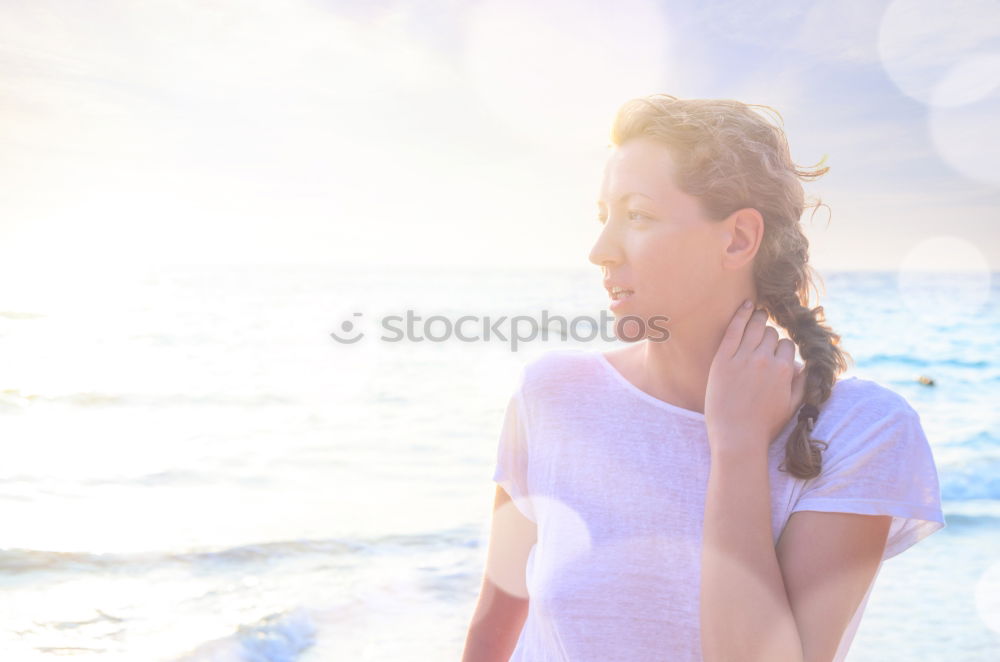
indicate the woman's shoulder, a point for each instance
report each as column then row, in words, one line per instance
column 864, row 412
column 859, row 394
column 555, row 370
column 560, row 362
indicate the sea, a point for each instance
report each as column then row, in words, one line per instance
column 293, row 462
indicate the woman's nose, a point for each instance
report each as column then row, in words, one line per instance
column 606, row 250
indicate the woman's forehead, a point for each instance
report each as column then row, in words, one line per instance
column 635, row 179
column 637, row 158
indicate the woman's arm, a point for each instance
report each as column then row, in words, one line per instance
column 789, row 603
column 754, row 607
column 503, row 599
column 745, row 613
column 828, row 561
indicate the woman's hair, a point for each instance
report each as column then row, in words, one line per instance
column 731, row 157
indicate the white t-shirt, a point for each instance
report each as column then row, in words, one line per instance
column 615, row 480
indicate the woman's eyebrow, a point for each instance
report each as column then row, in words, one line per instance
column 625, row 196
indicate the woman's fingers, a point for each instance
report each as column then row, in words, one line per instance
column 734, row 332
column 769, row 343
column 754, row 332
column 785, row 351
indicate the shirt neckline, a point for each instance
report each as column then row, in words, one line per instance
column 638, row 392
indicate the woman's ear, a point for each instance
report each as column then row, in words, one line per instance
column 744, row 230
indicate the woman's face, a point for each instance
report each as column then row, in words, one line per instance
column 655, row 240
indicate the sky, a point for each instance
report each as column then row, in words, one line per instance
column 439, row 133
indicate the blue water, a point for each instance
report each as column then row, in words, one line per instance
column 194, row 470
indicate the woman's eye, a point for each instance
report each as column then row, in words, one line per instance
column 632, row 215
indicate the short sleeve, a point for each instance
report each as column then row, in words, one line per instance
column 511, row 470
column 884, row 467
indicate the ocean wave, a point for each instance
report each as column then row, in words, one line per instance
column 966, row 521
column 971, row 479
column 982, row 441
column 15, row 561
column 14, row 398
column 14, row 315
column 280, row 637
column 173, row 478
column 909, row 359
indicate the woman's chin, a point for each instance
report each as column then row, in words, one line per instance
column 620, row 306
column 630, row 328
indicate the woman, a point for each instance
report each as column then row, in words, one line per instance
column 699, row 494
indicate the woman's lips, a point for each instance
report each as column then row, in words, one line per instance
column 621, row 299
